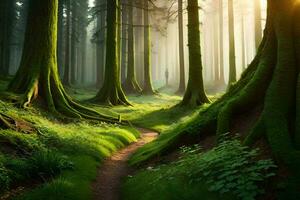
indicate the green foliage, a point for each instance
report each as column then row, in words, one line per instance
column 230, row 167
column 45, row 163
column 4, row 178
column 229, row 170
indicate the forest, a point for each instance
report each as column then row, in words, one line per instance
column 149, row 99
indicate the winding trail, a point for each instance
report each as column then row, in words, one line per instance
column 109, row 179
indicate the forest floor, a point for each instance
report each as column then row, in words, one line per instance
column 60, row 159
column 115, row 168
column 81, row 160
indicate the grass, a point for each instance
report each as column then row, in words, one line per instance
column 63, row 156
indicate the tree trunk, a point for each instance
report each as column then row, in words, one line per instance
column 131, row 85
column 216, row 49
column 124, row 39
column 100, row 46
column 181, row 88
column 232, row 64
column 66, row 78
column 148, row 88
column 195, row 94
column 60, row 50
column 38, row 75
column 83, row 58
column 111, row 92
column 74, row 63
column 7, row 20
column 257, row 21
column 244, row 64
column 221, row 31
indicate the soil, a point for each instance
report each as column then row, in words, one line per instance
column 115, row 168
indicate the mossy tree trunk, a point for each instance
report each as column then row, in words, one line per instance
column 111, row 92
column 37, row 76
column 131, row 85
column 7, row 15
column 147, row 88
column 100, row 46
column 181, row 88
column 232, row 63
column 257, row 21
column 66, row 78
column 221, row 38
column 195, row 94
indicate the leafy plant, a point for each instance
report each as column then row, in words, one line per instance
column 228, row 168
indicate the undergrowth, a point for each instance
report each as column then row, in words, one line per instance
column 61, row 158
column 228, row 171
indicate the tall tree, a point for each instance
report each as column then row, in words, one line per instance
column 181, row 88
column 38, row 75
column 232, row 62
column 111, row 91
column 74, row 40
column 147, row 88
column 244, row 64
column 257, row 21
column 131, row 85
column 100, row 42
column 221, row 48
column 7, row 16
column 124, row 39
column 66, row 78
column 60, row 40
column 195, row 94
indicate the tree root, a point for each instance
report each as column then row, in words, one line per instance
column 131, row 87
column 8, row 122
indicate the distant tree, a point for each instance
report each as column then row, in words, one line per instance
column 131, row 85
column 67, row 68
column 7, row 17
column 99, row 40
column 37, row 77
column 60, row 35
column 147, row 87
column 195, row 94
column 111, row 92
column 182, row 86
column 221, row 35
column 232, row 62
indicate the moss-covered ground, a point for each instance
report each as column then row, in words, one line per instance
column 59, row 160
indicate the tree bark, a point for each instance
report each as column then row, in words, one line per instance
column 100, row 46
column 7, row 19
column 257, row 21
column 181, row 88
column 111, row 92
column 66, row 78
column 147, row 88
column 131, row 85
column 195, row 94
column 221, row 49
column 232, row 63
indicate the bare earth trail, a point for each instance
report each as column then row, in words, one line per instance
column 108, row 182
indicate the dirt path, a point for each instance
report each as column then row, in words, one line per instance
column 108, row 183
